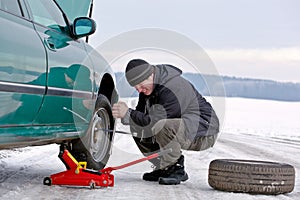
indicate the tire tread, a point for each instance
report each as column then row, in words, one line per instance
column 250, row 176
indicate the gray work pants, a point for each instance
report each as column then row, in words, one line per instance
column 170, row 133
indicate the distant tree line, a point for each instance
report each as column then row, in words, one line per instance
column 212, row 85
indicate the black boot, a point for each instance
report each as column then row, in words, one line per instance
column 156, row 173
column 175, row 173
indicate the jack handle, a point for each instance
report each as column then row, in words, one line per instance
column 108, row 170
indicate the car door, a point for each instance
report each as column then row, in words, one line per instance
column 22, row 66
column 69, row 81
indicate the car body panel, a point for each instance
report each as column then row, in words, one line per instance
column 69, row 81
column 18, row 69
column 49, row 79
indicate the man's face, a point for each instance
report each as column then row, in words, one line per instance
column 146, row 86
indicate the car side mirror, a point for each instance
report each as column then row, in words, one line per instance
column 83, row 26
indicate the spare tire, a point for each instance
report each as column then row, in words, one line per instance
column 250, row 176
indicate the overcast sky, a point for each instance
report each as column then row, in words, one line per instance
column 243, row 38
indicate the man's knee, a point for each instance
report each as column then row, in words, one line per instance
column 169, row 131
column 203, row 143
column 167, row 125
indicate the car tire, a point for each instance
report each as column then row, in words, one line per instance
column 249, row 176
column 94, row 147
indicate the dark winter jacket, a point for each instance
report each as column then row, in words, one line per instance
column 174, row 97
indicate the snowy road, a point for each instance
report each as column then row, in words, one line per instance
column 22, row 171
column 254, row 129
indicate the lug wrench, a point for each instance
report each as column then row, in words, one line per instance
column 105, row 130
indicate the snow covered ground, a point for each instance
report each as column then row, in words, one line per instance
column 253, row 129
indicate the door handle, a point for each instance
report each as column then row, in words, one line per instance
column 50, row 44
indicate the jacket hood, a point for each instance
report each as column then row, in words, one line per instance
column 164, row 73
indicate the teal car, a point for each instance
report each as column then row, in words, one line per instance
column 54, row 87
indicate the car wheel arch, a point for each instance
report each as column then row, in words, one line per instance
column 108, row 88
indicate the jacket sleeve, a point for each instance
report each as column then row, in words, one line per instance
column 165, row 106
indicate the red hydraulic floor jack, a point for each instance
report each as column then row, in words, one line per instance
column 78, row 175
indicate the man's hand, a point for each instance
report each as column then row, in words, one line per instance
column 119, row 109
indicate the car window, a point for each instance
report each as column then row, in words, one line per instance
column 45, row 12
column 11, row 6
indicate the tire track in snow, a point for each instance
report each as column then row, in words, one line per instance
column 255, row 147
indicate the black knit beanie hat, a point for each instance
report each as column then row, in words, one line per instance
column 137, row 71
